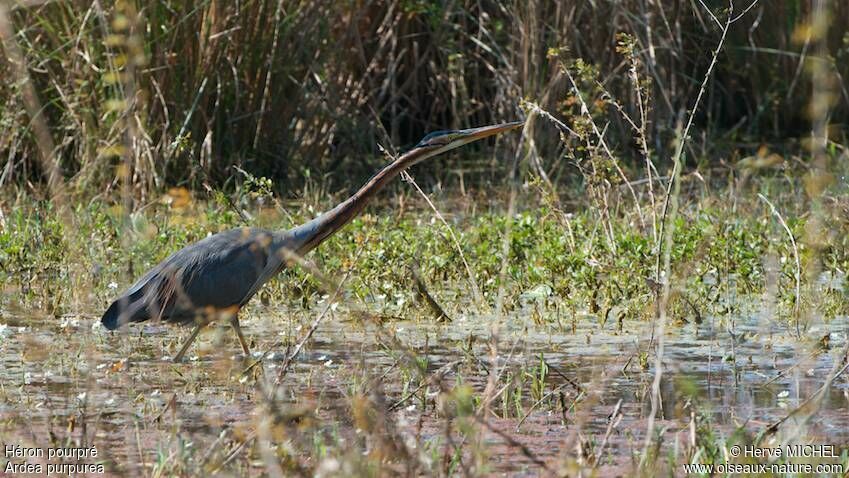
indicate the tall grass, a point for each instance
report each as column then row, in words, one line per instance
column 662, row 226
column 184, row 91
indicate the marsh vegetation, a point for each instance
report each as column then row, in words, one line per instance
column 651, row 274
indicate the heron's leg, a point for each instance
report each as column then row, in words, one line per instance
column 234, row 321
column 179, row 357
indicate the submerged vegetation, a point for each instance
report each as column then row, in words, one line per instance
column 652, row 274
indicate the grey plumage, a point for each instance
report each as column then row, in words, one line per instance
column 218, row 272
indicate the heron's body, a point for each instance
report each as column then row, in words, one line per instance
column 215, row 277
column 217, row 273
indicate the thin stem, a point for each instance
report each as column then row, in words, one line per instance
column 672, row 193
column 798, row 274
column 586, row 111
column 475, row 289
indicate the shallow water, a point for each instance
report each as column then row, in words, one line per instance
column 65, row 381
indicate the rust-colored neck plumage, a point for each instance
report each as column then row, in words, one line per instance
column 305, row 238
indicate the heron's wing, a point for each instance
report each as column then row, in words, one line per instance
column 226, row 276
column 218, row 272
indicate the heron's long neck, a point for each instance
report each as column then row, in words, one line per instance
column 306, row 237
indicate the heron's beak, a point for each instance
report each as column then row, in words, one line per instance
column 466, row 136
column 442, row 141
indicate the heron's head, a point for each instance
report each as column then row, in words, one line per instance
column 439, row 142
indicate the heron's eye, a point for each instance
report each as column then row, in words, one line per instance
column 437, row 138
